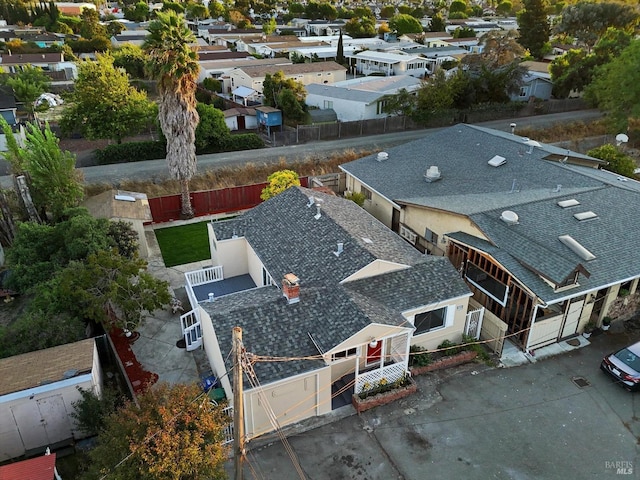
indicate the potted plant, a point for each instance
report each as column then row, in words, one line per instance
column 606, row 323
column 588, row 329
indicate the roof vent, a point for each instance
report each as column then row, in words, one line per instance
column 497, row 161
column 340, row 249
column 382, row 156
column 576, row 247
column 311, row 201
column 509, row 217
column 433, row 174
column 125, row 198
column 582, row 216
column 572, row 202
column 317, row 215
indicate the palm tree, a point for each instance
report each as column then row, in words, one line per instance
column 174, row 64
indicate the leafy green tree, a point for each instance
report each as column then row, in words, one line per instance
column 437, row 23
column 328, row 11
column 387, row 11
column 131, row 58
column 212, row 131
column 96, row 44
column 91, row 26
column 588, row 21
column 114, row 28
column 212, row 84
column 361, row 27
column 616, row 87
column 172, row 433
column 92, row 411
column 361, row 12
column 403, row 23
column 340, row 50
column 296, row 9
column 269, row 26
column 175, row 65
column 28, row 84
column 196, row 11
column 504, row 8
column 174, row 6
column 113, row 290
column 464, row 32
column 55, row 183
column 572, row 71
column 402, row 103
column 137, row 13
column 458, row 6
column 618, row 161
column 278, row 182
column 104, row 104
column 284, row 93
column 534, row 27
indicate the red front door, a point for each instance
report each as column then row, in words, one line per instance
column 374, row 353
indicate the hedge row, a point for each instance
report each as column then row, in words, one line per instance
column 153, row 150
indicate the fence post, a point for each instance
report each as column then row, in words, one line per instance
column 339, row 122
column 274, row 139
column 297, row 134
column 318, row 132
column 384, row 128
column 360, row 126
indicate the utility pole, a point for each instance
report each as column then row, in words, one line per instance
column 238, row 407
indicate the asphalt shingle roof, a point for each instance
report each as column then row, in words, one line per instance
column 469, row 185
column 287, row 237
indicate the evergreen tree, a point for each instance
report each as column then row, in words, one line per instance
column 534, row 27
column 340, row 52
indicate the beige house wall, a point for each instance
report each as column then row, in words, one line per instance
column 439, row 222
column 212, row 349
column 290, row 400
column 454, row 330
column 232, row 255
column 254, row 267
column 378, row 206
column 376, row 267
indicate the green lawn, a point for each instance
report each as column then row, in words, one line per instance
column 184, row 244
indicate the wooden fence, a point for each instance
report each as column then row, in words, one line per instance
column 210, row 202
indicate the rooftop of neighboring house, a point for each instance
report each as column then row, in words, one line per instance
column 38, row 468
column 260, row 71
column 529, row 179
column 387, row 57
column 7, row 98
column 119, row 204
column 249, row 61
column 366, row 92
column 537, row 67
column 33, row 369
column 288, row 236
column 32, row 58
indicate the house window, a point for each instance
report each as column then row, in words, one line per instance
column 523, row 91
column 430, row 236
column 328, row 104
column 366, row 192
column 352, row 352
column 487, row 284
column 433, row 320
column 408, row 235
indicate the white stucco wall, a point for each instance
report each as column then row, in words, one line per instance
column 232, row 255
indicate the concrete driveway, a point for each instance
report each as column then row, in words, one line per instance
column 528, row 422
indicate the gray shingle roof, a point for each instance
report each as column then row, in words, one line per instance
column 341, row 93
column 611, row 237
column 469, row 185
column 287, row 238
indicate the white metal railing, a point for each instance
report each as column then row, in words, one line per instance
column 473, row 325
column 371, row 379
column 204, row 275
column 227, row 431
column 191, row 329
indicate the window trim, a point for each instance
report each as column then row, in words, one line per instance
column 449, row 313
column 348, row 353
column 502, row 302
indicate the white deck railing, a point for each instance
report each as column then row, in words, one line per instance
column 204, row 275
column 371, row 379
column 227, row 431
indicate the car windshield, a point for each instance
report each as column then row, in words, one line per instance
column 628, row 357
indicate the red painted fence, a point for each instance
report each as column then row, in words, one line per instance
column 225, row 200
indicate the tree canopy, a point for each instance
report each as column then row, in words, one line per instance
column 616, row 87
column 28, row 84
column 361, row 27
column 403, row 23
column 534, row 27
column 284, row 93
column 104, row 104
column 587, row 21
column 278, row 182
column 618, row 161
column 175, row 433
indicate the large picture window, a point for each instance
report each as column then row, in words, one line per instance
column 433, row 320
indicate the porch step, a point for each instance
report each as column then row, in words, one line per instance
column 343, row 398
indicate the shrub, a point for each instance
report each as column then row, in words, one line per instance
column 91, row 411
column 245, row 141
column 473, row 345
column 131, row 152
column 449, row 348
column 384, row 386
column 356, row 197
column 419, row 357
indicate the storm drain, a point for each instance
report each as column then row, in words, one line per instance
column 580, row 382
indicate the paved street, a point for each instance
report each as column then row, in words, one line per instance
column 524, row 423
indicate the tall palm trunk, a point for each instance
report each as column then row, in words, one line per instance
column 178, row 121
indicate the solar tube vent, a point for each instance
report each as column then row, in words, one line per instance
column 576, row 247
column 382, row 156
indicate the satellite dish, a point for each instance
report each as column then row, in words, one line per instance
column 622, row 138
